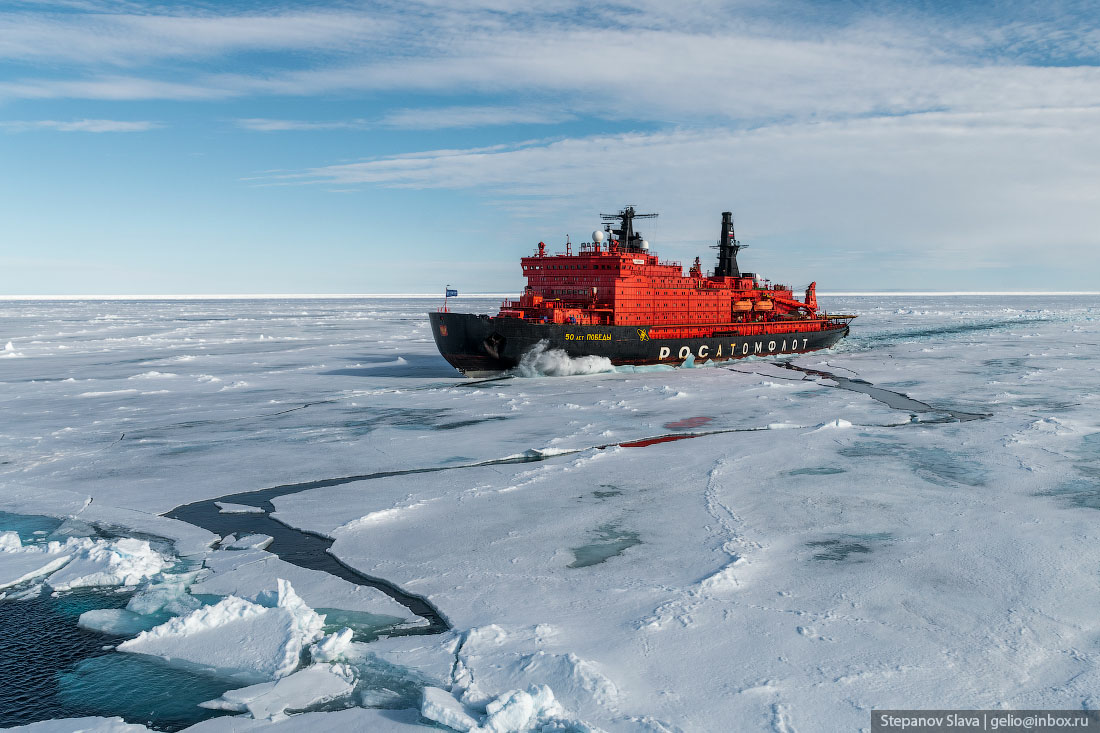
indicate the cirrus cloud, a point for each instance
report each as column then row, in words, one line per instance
column 81, row 125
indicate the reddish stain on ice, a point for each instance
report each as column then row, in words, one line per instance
column 688, row 422
column 654, row 441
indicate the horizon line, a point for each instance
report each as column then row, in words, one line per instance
column 380, row 296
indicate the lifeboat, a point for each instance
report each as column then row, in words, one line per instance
column 764, row 305
column 742, row 306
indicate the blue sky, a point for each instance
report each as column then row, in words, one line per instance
column 396, row 147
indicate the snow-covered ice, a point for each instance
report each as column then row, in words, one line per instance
column 248, row 542
column 83, row 725
column 656, row 550
column 258, row 639
column 250, row 572
column 95, row 562
column 270, row 700
column 19, row 564
column 79, row 562
column 230, row 508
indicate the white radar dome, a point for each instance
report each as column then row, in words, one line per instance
column 597, row 236
column 645, row 244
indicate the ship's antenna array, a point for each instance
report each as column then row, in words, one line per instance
column 625, row 234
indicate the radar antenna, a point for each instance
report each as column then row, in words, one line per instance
column 628, row 238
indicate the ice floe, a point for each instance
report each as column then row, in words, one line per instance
column 18, row 567
column 332, row 647
column 257, row 640
column 315, row 684
column 248, row 542
column 83, row 725
column 514, row 711
column 229, row 508
column 79, row 562
column 96, row 562
column 247, row 573
column 165, row 596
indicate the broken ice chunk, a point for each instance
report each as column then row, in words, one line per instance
column 249, row 542
column 442, row 707
column 225, row 507
column 97, row 562
column 331, row 647
column 18, row 567
column 247, row 640
column 116, row 621
column 270, row 700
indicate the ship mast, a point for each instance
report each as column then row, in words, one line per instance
column 728, row 247
column 628, row 238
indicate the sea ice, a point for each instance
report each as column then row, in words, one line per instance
column 118, row 621
column 246, row 573
column 147, row 608
column 442, row 707
column 169, row 594
column 97, row 562
column 270, row 700
column 82, row 725
column 247, row 640
column 79, row 562
column 515, row 711
column 229, row 508
column 332, row 647
column 248, row 542
column 985, row 583
column 19, row 564
column 338, row 721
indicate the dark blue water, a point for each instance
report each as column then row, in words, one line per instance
column 51, row 668
column 39, row 640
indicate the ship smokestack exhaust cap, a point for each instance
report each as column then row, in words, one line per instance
column 728, row 247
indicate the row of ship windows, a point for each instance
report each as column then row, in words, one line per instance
column 676, row 292
column 587, row 291
column 630, row 304
column 572, row 267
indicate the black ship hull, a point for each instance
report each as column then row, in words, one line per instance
column 481, row 345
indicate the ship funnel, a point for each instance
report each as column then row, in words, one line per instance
column 728, row 247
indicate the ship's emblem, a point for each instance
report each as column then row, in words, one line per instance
column 643, row 335
column 442, row 330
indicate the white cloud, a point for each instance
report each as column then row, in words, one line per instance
column 112, row 88
column 131, row 38
column 437, row 118
column 944, row 191
column 81, row 125
column 746, row 62
column 262, row 124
